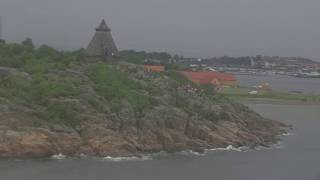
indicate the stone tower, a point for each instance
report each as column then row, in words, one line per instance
column 102, row 44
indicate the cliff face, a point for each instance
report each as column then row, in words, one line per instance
column 120, row 110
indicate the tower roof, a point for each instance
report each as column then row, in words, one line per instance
column 103, row 26
column 102, row 43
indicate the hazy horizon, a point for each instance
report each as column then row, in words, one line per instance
column 204, row 28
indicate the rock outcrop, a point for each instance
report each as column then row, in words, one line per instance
column 171, row 134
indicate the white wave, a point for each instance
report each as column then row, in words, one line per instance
column 58, row 156
column 288, row 134
column 132, row 158
column 259, row 148
column 190, row 152
column 231, row 148
column 146, row 157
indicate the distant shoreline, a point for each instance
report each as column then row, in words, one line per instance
column 269, row 96
column 276, row 101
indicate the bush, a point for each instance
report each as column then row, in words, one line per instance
column 15, row 87
column 115, row 86
column 59, row 113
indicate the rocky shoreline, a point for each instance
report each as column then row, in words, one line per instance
column 98, row 141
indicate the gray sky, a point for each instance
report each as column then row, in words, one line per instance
column 199, row 28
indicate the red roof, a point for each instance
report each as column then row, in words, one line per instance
column 208, row 76
column 154, row 68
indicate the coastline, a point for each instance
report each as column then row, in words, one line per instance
column 42, row 143
column 242, row 94
column 218, row 160
column 276, row 101
column 162, row 154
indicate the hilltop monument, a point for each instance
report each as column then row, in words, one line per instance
column 102, row 44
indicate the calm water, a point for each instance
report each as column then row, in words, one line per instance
column 282, row 83
column 297, row 159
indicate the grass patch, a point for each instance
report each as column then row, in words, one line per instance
column 243, row 93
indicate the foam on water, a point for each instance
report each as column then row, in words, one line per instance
column 288, row 134
column 260, row 148
column 58, row 156
column 147, row 157
column 231, row 148
column 132, row 158
column 185, row 152
column 190, row 152
column 228, row 148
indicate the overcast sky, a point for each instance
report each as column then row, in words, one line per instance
column 198, row 28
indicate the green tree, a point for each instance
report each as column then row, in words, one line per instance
column 28, row 43
column 2, row 41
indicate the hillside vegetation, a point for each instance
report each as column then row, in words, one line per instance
column 59, row 102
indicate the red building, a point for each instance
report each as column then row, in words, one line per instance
column 211, row 78
column 154, row 68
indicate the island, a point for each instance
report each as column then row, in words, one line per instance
column 55, row 102
column 101, row 104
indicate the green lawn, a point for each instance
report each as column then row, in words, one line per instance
column 243, row 93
